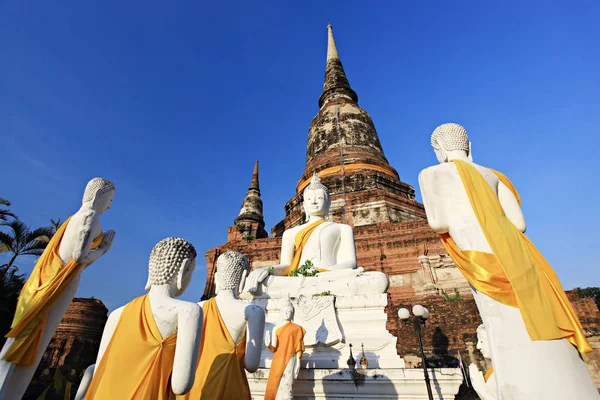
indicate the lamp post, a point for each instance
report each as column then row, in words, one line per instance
column 420, row 316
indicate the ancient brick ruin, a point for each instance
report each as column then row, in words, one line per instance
column 72, row 349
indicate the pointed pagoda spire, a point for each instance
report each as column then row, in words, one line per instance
column 336, row 84
column 254, row 182
column 251, row 212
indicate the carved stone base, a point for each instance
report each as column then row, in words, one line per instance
column 332, row 323
column 340, row 384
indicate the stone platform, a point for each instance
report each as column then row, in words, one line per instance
column 394, row 383
column 334, row 322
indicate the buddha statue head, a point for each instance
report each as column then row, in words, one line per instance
column 232, row 268
column 448, row 138
column 172, row 262
column 316, row 198
column 483, row 343
column 99, row 193
column 287, row 310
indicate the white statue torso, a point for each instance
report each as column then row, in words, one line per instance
column 324, row 247
column 83, row 225
column 233, row 313
column 448, row 206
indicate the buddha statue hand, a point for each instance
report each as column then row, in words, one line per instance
column 479, row 384
column 107, row 240
column 255, row 278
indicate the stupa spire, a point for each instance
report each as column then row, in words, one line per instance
column 336, row 84
column 251, row 213
column 254, row 182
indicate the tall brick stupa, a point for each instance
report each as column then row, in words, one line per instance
column 390, row 227
column 345, row 151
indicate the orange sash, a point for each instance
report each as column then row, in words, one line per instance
column 47, row 282
column 488, row 373
column 300, row 241
column 290, row 340
column 516, row 274
column 137, row 363
column 220, row 372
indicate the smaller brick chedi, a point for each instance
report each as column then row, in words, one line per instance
column 72, row 349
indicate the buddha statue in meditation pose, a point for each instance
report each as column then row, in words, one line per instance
column 484, row 385
column 149, row 347
column 51, row 286
column 232, row 336
column 533, row 331
column 287, row 344
column 329, row 246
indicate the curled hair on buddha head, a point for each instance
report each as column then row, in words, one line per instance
column 166, row 260
column 96, row 187
column 231, row 267
column 315, row 184
column 451, row 136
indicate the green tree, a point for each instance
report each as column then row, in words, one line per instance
column 4, row 212
column 18, row 240
column 21, row 241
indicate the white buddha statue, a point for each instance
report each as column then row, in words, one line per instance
column 328, row 245
column 232, row 335
column 533, row 330
column 484, row 385
column 287, row 343
column 51, row 287
column 153, row 340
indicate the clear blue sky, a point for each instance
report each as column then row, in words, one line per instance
column 174, row 103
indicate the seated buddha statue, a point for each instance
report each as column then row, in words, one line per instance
column 329, row 246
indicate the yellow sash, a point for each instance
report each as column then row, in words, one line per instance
column 220, row 372
column 300, row 241
column 45, row 285
column 137, row 363
column 516, row 274
column 488, row 373
column 290, row 340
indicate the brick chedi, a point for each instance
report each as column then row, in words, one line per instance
column 345, row 151
column 250, row 223
column 72, row 349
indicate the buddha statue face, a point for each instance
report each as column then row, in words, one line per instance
column 99, row 192
column 172, row 262
column 316, row 198
column 287, row 313
column 483, row 344
column 449, row 137
column 232, row 268
column 316, row 202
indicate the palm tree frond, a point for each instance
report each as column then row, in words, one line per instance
column 6, row 242
column 42, row 234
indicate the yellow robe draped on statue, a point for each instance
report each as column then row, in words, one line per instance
column 300, row 241
column 47, row 282
column 137, row 363
column 220, row 373
column 516, row 274
column 290, row 340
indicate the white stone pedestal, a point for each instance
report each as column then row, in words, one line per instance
column 332, row 323
column 395, row 383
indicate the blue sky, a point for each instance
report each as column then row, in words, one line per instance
column 174, row 103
